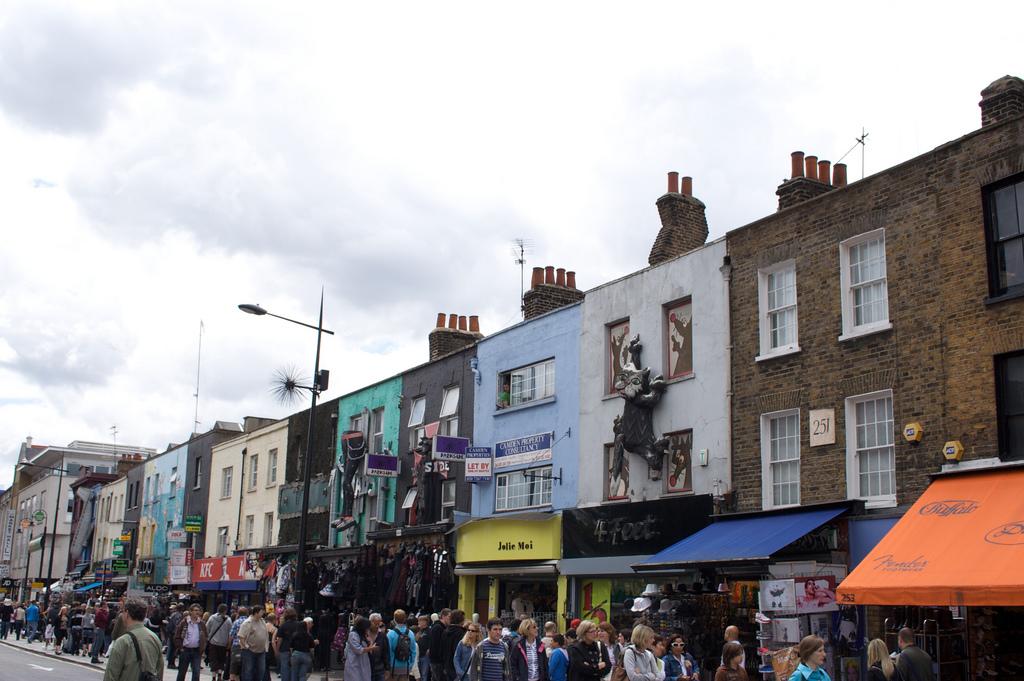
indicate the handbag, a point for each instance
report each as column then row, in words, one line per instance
column 619, row 671
column 143, row 674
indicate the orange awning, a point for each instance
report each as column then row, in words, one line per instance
column 962, row 543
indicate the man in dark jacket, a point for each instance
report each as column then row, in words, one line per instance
column 190, row 641
column 452, row 635
column 914, row 664
column 435, row 643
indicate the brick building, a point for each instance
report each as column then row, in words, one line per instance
column 895, row 300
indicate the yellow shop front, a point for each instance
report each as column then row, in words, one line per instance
column 508, row 567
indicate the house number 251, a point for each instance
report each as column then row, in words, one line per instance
column 823, row 427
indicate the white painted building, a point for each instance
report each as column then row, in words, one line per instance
column 245, row 476
column 680, row 310
column 110, row 520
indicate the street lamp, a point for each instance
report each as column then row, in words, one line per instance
column 319, row 384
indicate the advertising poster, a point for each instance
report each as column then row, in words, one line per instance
column 778, row 595
column 522, row 450
column 816, row 594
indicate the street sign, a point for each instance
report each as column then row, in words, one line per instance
column 39, row 516
column 119, row 564
column 194, row 523
column 117, row 549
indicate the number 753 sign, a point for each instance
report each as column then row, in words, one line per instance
column 822, row 426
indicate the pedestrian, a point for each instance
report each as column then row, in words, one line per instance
column 218, row 641
column 170, row 631
column 253, row 643
column 76, row 617
column 464, row 651
column 452, row 635
column 271, row 624
column 190, row 641
column 435, row 647
column 880, row 665
column 731, row 668
column 302, row 645
column 380, row 658
column 88, row 629
column 402, row 650
column 491, row 660
column 19, row 620
column 588, row 659
column 680, row 665
column 638, row 659
column 136, row 652
column 558, row 659
column 423, row 646
column 235, row 661
column 550, row 629
column 732, row 634
column 606, row 637
column 59, row 621
column 6, row 617
column 325, row 628
column 357, row 652
column 32, row 620
column 101, row 620
column 812, row 656
column 529, row 663
column 290, row 626
column 913, row 662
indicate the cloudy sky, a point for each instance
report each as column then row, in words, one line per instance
column 162, row 162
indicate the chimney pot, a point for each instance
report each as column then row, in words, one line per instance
column 474, row 323
column 839, row 175
column 798, row 163
column 549, row 274
column 811, row 167
column 673, row 182
column 538, row 277
column 440, row 320
column 570, row 280
column 560, row 276
column 462, row 323
column 453, row 321
column 823, row 171
column 687, row 187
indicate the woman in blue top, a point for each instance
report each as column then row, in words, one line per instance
column 812, row 657
column 464, row 651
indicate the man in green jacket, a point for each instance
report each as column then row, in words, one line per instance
column 122, row 661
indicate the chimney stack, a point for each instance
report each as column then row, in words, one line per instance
column 1002, row 100
column 839, row 175
column 556, row 289
column 809, row 178
column 458, row 334
column 684, row 226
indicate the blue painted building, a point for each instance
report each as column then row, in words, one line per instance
column 527, row 409
column 163, row 503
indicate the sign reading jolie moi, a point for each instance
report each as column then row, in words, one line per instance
column 522, row 450
column 478, row 464
column 382, row 465
column 450, row 448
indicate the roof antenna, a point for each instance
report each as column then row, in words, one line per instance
column 520, row 247
column 113, row 433
column 862, row 141
column 199, row 359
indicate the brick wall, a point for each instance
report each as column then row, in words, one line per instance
column 937, row 358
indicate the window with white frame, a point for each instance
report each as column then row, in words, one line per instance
column 197, row 477
column 356, row 423
column 778, row 311
column 450, row 411
column 523, row 489
column 250, row 527
column 417, row 412
column 226, row 474
column 272, row 467
column 780, row 458
column 448, row 498
column 377, row 430
column 527, row 384
column 871, row 449
column 862, row 277
column 268, row 528
column 222, row 541
column 254, row 467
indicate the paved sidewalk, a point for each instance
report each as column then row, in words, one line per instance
column 169, row 674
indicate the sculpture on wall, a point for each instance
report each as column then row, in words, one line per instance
column 353, row 447
column 634, row 429
column 428, row 482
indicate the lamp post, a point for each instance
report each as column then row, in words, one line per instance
column 319, row 383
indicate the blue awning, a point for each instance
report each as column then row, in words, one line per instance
column 240, row 585
column 88, row 587
column 742, row 539
column 208, row 586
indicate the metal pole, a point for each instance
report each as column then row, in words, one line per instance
column 53, row 539
column 307, row 465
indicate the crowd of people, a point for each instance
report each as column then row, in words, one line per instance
column 261, row 642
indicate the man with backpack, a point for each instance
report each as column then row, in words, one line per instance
column 137, row 651
column 402, row 646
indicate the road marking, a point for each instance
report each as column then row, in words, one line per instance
column 45, row 669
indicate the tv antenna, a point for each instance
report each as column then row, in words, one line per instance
column 113, row 433
column 520, row 247
column 199, row 359
column 862, row 141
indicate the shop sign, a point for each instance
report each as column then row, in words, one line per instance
column 177, row 534
column 501, row 539
column 226, row 568
column 38, row 585
column 119, row 565
column 639, row 528
column 178, row 574
column 6, row 583
column 8, row 536
column 194, row 524
column 5, row 570
column 126, row 537
column 522, row 450
column 157, row 588
column 117, row 548
column 450, row 448
column 382, row 465
column 179, row 557
column 478, row 464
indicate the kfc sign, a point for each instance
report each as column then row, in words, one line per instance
column 226, row 569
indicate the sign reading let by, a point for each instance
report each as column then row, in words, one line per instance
column 500, row 539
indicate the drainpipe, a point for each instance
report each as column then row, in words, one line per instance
column 726, row 270
column 241, row 491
